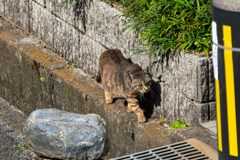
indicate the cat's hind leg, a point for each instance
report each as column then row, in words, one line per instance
column 108, row 97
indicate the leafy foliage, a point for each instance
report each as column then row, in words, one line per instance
column 175, row 24
column 178, row 124
column 162, row 25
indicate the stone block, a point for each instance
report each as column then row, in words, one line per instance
column 67, row 41
column 96, row 20
column 23, row 15
column 212, row 107
column 89, row 54
column 64, row 11
column 174, row 105
column 9, row 11
column 17, row 11
column 41, row 23
column 58, row 134
column 211, row 80
column 202, row 94
column 76, row 47
column 185, row 73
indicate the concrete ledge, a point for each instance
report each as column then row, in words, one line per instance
column 22, row 64
column 198, row 132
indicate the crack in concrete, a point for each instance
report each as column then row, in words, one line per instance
column 187, row 96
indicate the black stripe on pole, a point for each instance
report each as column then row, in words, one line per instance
column 236, row 65
column 223, row 104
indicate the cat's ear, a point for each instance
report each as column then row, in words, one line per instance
column 146, row 71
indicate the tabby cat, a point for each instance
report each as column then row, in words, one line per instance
column 120, row 78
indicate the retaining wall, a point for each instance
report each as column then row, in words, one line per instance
column 184, row 84
column 22, row 65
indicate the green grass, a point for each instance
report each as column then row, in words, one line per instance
column 171, row 24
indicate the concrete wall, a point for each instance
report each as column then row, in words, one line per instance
column 184, row 84
column 22, row 64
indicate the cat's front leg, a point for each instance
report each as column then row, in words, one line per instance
column 129, row 109
column 133, row 104
column 108, row 97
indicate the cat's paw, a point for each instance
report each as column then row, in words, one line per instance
column 109, row 101
column 141, row 118
column 129, row 110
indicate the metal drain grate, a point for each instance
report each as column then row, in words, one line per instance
column 181, row 151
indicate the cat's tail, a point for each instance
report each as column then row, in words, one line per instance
column 98, row 78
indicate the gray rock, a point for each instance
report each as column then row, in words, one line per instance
column 59, row 134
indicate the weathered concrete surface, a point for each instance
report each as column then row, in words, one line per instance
column 41, row 26
column 14, row 8
column 80, row 33
column 22, row 64
column 58, row 134
column 176, row 105
column 96, row 19
column 187, row 74
column 198, row 132
column 2, row 7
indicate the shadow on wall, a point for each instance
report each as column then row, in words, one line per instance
column 151, row 100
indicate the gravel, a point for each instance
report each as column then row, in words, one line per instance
column 11, row 136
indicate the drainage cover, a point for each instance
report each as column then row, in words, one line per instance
column 186, row 150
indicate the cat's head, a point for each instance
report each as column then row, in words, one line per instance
column 141, row 81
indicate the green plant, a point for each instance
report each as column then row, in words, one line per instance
column 3, row 115
column 162, row 121
column 177, row 24
column 73, row 65
column 20, row 129
column 178, row 124
column 20, row 147
column 42, row 79
column 45, row 56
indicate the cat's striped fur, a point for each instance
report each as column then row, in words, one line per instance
column 120, row 78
